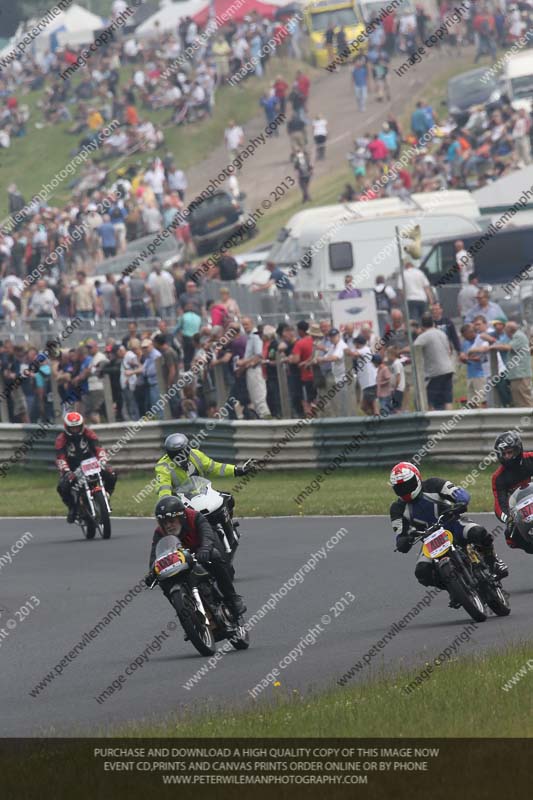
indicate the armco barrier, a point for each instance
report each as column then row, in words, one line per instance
column 453, row 436
column 370, row 441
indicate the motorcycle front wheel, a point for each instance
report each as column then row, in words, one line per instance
column 496, row 600
column 87, row 523
column 102, row 515
column 198, row 633
column 468, row 598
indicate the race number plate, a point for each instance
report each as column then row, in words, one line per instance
column 526, row 509
column 90, row 466
column 437, row 543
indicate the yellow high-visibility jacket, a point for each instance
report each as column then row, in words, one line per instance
column 170, row 476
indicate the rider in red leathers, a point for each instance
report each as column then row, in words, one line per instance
column 72, row 446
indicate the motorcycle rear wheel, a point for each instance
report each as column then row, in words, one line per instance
column 200, row 636
column 468, row 598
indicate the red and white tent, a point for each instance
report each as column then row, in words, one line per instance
column 219, row 7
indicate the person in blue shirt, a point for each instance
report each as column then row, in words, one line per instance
column 277, row 278
column 150, row 355
column 419, row 120
column 270, row 106
column 475, row 365
column 389, row 137
column 108, row 237
column 360, row 80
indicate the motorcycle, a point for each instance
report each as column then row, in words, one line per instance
column 200, row 607
column 93, row 512
column 463, row 571
column 198, row 493
column 521, row 511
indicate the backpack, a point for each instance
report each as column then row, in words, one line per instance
column 382, row 301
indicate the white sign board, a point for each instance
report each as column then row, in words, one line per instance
column 357, row 310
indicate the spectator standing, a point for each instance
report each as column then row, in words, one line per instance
column 438, row 364
column 170, row 364
column 234, row 138
column 384, row 382
column 83, row 298
column 349, row 290
column 467, row 297
column 130, row 368
column 486, row 307
column 366, row 371
column 446, row 325
column 255, row 381
column 360, row 82
column 90, row 368
column 270, row 370
column 162, row 290
column 518, row 366
column 475, row 374
column 281, row 88
column 320, row 135
column 398, row 379
column 417, row 290
column 463, row 261
column 106, row 232
column 43, row 302
column 304, row 169
column 189, row 325
column 150, row 356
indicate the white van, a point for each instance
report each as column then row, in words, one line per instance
column 319, row 246
column 518, row 80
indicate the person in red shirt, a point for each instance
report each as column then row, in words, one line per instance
column 378, row 149
column 302, row 354
column 304, row 84
column 281, row 88
column 389, row 29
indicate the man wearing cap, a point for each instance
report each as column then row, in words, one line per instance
column 338, row 369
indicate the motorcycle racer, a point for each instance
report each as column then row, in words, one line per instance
column 181, row 462
column 516, row 470
column 419, row 503
column 76, row 443
column 195, row 533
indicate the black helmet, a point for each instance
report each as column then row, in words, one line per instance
column 510, row 440
column 177, row 448
column 169, row 508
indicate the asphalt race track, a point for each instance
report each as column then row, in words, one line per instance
column 78, row 582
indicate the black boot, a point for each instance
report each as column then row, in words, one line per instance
column 235, row 604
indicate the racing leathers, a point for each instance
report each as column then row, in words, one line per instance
column 410, row 518
column 197, row 535
column 70, row 452
column 504, row 482
column 170, row 476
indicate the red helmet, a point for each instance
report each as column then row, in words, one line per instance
column 73, row 424
column 406, row 481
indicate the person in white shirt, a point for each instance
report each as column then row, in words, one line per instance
column 177, row 181
column 521, row 137
column 234, row 138
column 366, row 375
column 130, row 367
column 320, row 135
column 162, row 289
column 43, row 301
column 155, row 178
column 463, row 261
column 417, row 290
column 335, row 356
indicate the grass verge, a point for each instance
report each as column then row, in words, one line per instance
column 347, row 491
column 462, row 698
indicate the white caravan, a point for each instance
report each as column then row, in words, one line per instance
column 320, row 246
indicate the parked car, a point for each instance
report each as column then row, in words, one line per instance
column 477, row 87
column 215, row 219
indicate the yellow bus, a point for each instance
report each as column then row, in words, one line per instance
column 319, row 15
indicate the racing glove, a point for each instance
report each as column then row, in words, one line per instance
column 150, row 578
column 244, row 469
column 460, row 495
column 203, row 554
column 404, row 542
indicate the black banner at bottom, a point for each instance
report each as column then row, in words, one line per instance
column 278, row 768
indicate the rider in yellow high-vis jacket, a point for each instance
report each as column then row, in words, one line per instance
column 181, row 462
